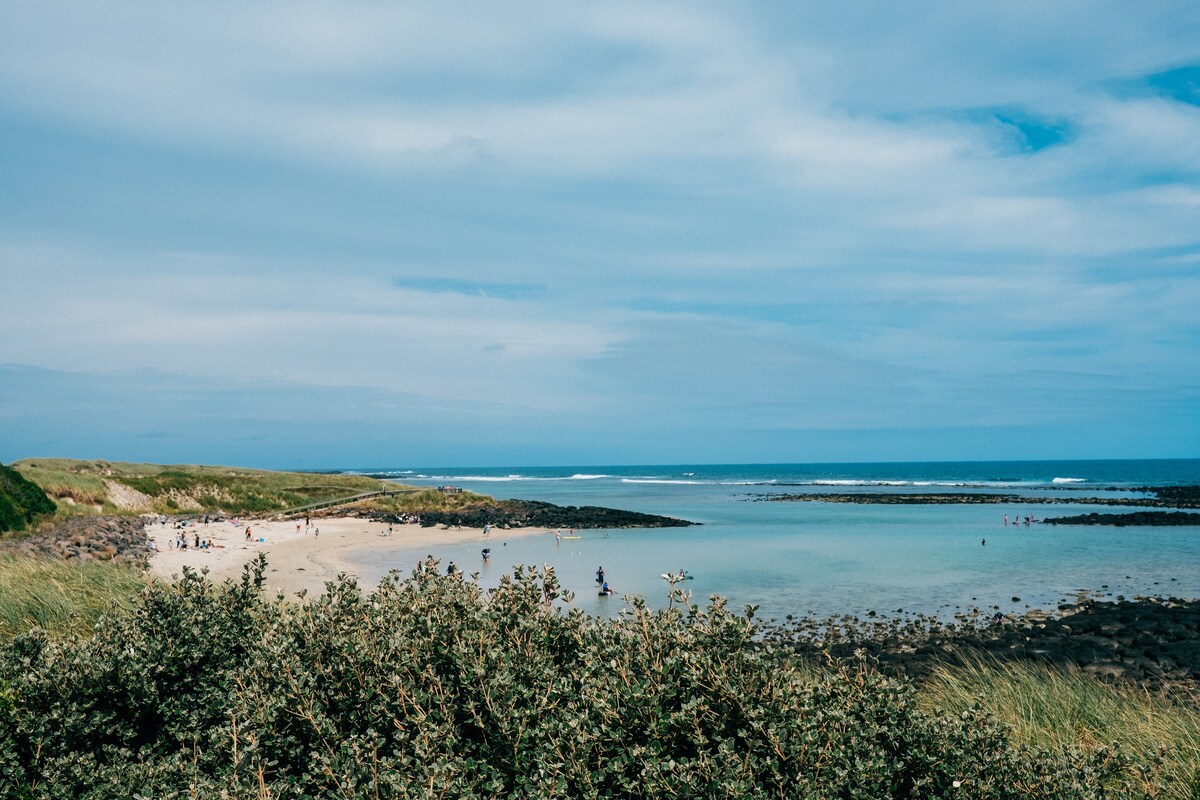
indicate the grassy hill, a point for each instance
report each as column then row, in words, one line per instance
column 91, row 487
column 21, row 501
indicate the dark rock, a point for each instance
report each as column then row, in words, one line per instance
column 1138, row 518
column 1162, row 499
column 100, row 538
column 1152, row 642
column 536, row 514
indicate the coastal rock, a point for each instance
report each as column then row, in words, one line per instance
column 1185, row 497
column 1152, row 642
column 104, row 538
column 535, row 514
column 1139, row 518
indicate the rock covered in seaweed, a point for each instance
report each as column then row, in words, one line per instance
column 536, row 514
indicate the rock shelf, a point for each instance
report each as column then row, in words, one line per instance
column 535, row 514
column 1152, row 642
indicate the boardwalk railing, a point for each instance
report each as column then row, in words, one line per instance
column 342, row 501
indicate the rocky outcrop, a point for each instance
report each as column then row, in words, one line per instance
column 534, row 514
column 92, row 538
column 1153, row 642
column 1141, row 518
column 1162, row 499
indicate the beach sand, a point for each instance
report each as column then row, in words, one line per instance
column 298, row 558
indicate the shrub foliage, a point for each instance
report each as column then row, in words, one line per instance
column 433, row 687
column 21, row 502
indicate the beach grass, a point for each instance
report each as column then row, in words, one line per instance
column 1054, row 707
column 120, row 487
column 62, row 597
column 427, row 499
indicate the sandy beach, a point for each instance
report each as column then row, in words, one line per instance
column 299, row 557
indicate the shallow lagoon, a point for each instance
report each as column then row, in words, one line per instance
column 831, row 558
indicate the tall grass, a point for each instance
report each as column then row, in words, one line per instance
column 191, row 488
column 1051, row 707
column 59, row 481
column 64, row 597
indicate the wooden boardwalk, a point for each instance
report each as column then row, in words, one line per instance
column 341, row 501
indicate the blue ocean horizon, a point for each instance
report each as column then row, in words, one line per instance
column 821, row 558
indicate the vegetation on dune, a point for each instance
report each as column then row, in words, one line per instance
column 433, row 687
column 1064, row 707
column 61, row 596
column 22, row 502
column 117, row 487
column 89, row 487
column 421, row 500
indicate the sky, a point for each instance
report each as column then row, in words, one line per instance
column 302, row 235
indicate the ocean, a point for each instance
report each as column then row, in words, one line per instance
column 822, row 559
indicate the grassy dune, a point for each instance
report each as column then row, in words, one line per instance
column 63, row 597
column 1053, row 708
column 89, row 487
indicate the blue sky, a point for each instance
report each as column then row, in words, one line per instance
column 306, row 235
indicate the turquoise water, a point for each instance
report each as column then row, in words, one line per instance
column 826, row 558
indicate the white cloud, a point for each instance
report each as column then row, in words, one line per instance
column 723, row 162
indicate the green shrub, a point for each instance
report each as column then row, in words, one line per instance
column 433, row 687
column 21, row 502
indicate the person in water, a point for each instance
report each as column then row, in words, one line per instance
column 605, row 590
column 600, row 575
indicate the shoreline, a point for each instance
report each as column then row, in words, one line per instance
column 1106, row 638
column 299, row 558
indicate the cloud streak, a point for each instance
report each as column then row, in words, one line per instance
column 596, row 233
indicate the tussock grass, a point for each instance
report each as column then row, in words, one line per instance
column 1053, row 707
column 428, row 499
column 187, row 488
column 64, row 597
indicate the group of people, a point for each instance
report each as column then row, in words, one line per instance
column 181, row 542
column 605, row 589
